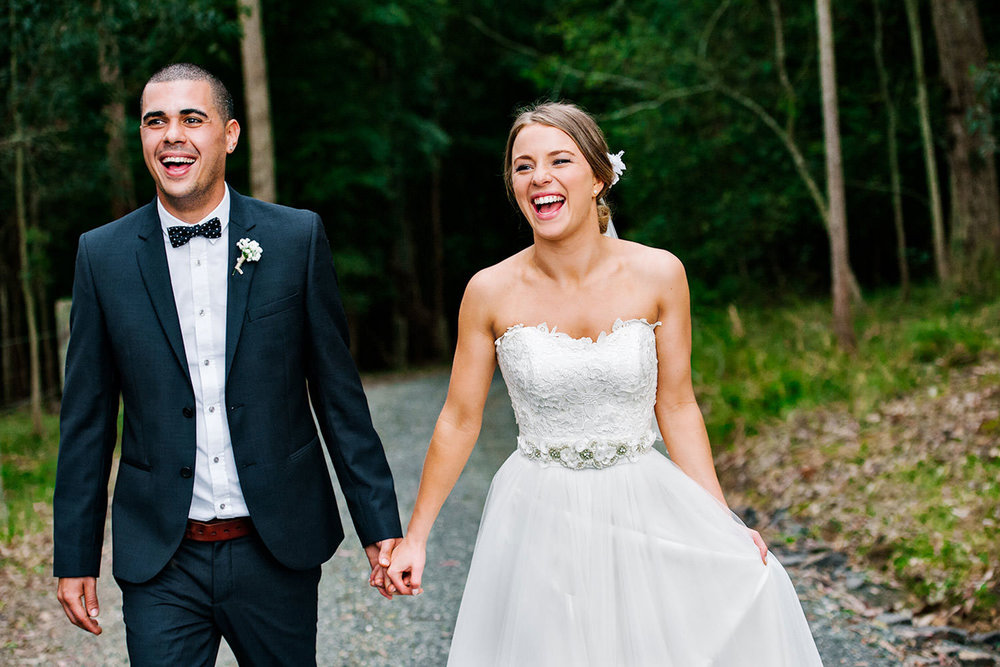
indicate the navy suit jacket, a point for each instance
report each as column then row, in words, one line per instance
column 286, row 343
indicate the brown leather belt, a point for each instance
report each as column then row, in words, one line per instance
column 218, row 530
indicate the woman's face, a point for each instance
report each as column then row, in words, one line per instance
column 553, row 184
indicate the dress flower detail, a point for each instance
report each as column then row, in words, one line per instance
column 250, row 251
column 617, row 164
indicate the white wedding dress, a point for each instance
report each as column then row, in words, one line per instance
column 595, row 549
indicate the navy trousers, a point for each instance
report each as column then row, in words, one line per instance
column 233, row 589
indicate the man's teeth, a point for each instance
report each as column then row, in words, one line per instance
column 548, row 199
column 178, row 160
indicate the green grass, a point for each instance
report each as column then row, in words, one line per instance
column 29, row 470
column 755, row 365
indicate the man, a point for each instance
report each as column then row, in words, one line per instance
column 215, row 318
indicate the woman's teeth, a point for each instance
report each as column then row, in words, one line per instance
column 548, row 203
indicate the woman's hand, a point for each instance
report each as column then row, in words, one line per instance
column 759, row 541
column 407, row 567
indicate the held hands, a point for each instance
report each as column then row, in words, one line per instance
column 407, row 567
column 378, row 557
column 78, row 597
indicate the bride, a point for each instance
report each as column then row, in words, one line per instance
column 594, row 548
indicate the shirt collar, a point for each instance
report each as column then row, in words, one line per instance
column 221, row 212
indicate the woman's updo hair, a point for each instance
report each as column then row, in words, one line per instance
column 582, row 129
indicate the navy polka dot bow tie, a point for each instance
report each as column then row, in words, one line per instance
column 181, row 234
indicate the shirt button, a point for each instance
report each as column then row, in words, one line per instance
column 216, row 459
column 222, row 506
column 201, row 313
column 206, row 362
column 211, row 409
column 197, row 262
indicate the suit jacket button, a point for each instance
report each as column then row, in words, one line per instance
column 188, row 412
column 186, row 472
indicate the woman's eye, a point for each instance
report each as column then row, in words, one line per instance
column 522, row 167
column 561, row 160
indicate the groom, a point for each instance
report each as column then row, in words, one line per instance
column 223, row 507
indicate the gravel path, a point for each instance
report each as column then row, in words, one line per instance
column 358, row 627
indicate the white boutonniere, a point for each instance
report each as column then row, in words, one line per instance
column 249, row 252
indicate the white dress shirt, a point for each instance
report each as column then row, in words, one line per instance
column 199, row 272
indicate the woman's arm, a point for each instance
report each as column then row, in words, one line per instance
column 677, row 412
column 455, row 433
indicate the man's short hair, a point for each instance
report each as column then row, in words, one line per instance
column 188, row 72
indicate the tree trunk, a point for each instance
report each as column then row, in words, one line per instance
column 21, row 218
column 439, row 323
column 6, row 341
column 843, row 324
column 941, row 264
column 50, row 379
column 894, row 177
column 263, row 183
column 975, row 199
column 779, row 57
column 122, row 193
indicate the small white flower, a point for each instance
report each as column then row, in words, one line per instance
column 617, row 165
column 250, row 251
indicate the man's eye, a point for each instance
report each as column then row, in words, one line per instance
column 153, row 122
column 192, row 120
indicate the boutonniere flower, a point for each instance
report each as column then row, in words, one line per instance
column 249, row 252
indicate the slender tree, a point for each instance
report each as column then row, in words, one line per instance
column 941, row 264
column 6, row 333
column 843, row 324
column 21, row 217
column 263, row 181
column 892, row 147
column 122, row 191
column 975, row 198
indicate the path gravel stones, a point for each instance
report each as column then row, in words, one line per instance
column 358, row 627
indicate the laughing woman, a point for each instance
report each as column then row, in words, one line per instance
column 594, row 548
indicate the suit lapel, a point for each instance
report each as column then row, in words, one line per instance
column 152, row 258
column 240, row 223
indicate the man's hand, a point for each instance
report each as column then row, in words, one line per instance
column 78, row 597
column 378, row 557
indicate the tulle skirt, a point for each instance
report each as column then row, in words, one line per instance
column 635, row 564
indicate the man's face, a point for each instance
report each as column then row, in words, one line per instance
column 184, row 143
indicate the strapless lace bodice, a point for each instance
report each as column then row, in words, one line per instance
column 581, row 403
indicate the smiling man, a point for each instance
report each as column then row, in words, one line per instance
column 223, row 509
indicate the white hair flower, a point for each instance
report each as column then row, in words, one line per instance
column 617, row 164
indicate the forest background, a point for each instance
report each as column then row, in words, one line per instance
column 389, row 118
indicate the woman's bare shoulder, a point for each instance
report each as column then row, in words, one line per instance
column 653, row 265
column 497, row 279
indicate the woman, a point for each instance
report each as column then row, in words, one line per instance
column 594, row 548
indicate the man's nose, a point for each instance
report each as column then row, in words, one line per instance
column 174, row 133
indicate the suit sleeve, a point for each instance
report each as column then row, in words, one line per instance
column 340, row 404
column 88, row 430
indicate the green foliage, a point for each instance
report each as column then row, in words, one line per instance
column 780, row 359
column 29, row 470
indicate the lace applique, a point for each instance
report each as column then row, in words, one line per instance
column 581, row 403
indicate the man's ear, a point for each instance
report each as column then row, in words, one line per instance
column 232, row 135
